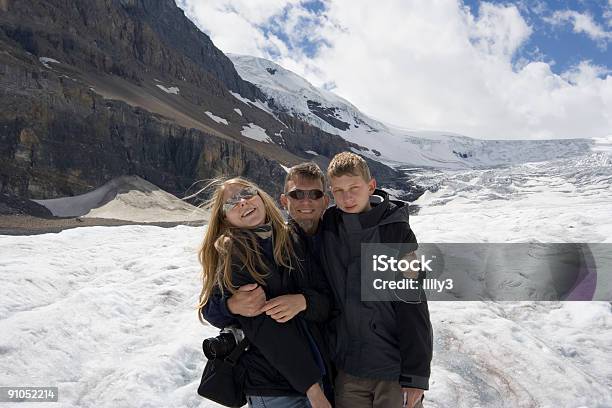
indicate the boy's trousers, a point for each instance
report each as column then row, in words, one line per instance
column 355, row 392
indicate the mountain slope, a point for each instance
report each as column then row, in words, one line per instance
column 94, row 90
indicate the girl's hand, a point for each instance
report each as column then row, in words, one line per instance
column 316, row 397
column 284, row 308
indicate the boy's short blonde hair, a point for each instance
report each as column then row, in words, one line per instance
column 347, row 163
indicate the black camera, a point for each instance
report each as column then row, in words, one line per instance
column 222, row 345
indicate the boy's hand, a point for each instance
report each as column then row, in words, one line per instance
column 316, row 397
column 284, row 308
column 411, row 396
column 247, row 301
column 409, row 273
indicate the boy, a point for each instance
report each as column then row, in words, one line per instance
column 373, row 344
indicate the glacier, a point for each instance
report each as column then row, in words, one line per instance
column 108, row 314
column 290, row 93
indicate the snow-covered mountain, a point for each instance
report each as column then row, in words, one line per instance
column 293, row 94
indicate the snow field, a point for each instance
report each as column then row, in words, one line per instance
column 106, row 314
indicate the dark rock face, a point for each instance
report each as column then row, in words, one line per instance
column 327, row 114
column 125, row 38
column 58, row 137
column 64, row 140
column 11, row 205
column 304, row 137
column 181, row 36
column 462, row 155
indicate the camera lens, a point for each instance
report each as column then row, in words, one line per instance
column 218, row 347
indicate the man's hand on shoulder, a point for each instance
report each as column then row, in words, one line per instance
column 247, row 301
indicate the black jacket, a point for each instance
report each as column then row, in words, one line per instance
column 281, row 359
column 378, row 340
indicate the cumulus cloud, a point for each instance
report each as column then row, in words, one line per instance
column 499, row 30
column 583, row 23
column 608, row 14
column 263, row 28
column 421, row 64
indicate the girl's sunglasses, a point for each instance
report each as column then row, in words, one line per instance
column 298, row 194
column 246, row 193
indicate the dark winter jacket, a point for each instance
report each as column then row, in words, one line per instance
column 378, row 340
column 284, row 358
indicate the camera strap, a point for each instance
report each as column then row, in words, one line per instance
column 240, row 348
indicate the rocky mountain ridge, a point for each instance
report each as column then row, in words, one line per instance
column 97, row 89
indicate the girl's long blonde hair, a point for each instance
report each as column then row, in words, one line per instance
column 225, row 244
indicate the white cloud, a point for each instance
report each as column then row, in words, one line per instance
column 237, row 25
column 608, row 13
column 582, row 23
column 423, row 64
column 499, row 30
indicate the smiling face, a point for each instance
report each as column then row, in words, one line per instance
column 308, row 211
column 242, row 209
column 352, row 193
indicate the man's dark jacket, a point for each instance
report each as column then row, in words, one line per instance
column 378, row 340
column 281, row 360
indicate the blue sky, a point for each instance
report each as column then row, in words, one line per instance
column 559, row 43
column 496, row 69
column 305, row 44
column 553, row 42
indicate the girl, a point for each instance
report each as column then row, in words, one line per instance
column 247, row 241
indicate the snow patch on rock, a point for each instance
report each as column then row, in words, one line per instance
column 240, row 97
column 46, row 60
column 171, row 90
column 216, row 118
column 255, row 132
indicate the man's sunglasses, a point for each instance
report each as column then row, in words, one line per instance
column 246, row 193
column 298, row 194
